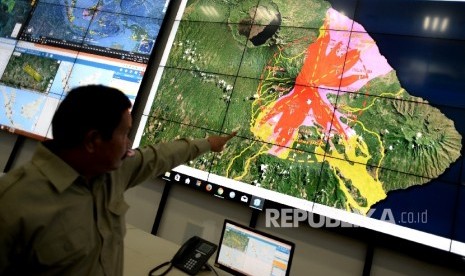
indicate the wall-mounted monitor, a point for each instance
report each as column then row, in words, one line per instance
column 353, row 110
column 48, row 47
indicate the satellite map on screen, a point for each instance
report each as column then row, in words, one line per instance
column 87, row 4
column 12, row 13
column 123, row 32
column 54, row 31
column 69, row 24
column 101, row 24
column 86, row 75
column 30, row 71
column 143, row 8
column 322, row 112
column 60, row 83
column 20, row 108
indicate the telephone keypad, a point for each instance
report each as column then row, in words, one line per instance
column 190, row 264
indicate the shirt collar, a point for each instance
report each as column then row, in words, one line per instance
column 60, row 174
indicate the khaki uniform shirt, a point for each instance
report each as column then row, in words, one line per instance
column 52, row 222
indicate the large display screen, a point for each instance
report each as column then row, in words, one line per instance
column 48, row 47
column 349, row 109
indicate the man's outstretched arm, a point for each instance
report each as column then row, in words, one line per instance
column 154, row 160
column 217, row 142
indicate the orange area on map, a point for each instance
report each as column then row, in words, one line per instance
column 321, row 68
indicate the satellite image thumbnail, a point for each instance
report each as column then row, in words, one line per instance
column 12, row 12
column 30, row 71
column 235, row 240
column 321, row 113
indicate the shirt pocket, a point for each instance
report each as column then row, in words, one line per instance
column 118, row 209
column 63, row 250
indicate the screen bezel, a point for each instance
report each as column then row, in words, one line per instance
column 255, row 231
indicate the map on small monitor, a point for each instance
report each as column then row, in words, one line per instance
column 247, row 251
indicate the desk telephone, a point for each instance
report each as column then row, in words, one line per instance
column 191, row 257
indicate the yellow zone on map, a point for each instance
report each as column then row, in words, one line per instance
column 369, row 187
column 33, row 73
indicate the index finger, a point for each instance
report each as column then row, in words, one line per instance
column 231, row 135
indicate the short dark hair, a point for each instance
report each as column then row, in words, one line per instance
column 85, row 108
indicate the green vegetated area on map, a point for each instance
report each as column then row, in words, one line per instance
column 207, row 47
column 158, row 131
column 328, row 191
column 409, row 142
column 193, row 98
column 30, row 71
column 292, row 42
column 235, row 240
column 309, row 14
column 241, row 161
column 415, row 137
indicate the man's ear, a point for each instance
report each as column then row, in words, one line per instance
column 91, row 140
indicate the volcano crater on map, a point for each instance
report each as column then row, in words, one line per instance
column 268, row 25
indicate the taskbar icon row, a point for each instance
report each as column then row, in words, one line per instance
column 83, row 46
column 215, row 189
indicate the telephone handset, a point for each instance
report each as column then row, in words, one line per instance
column 193, row 254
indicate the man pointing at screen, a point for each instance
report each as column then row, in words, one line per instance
column 63, row 212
